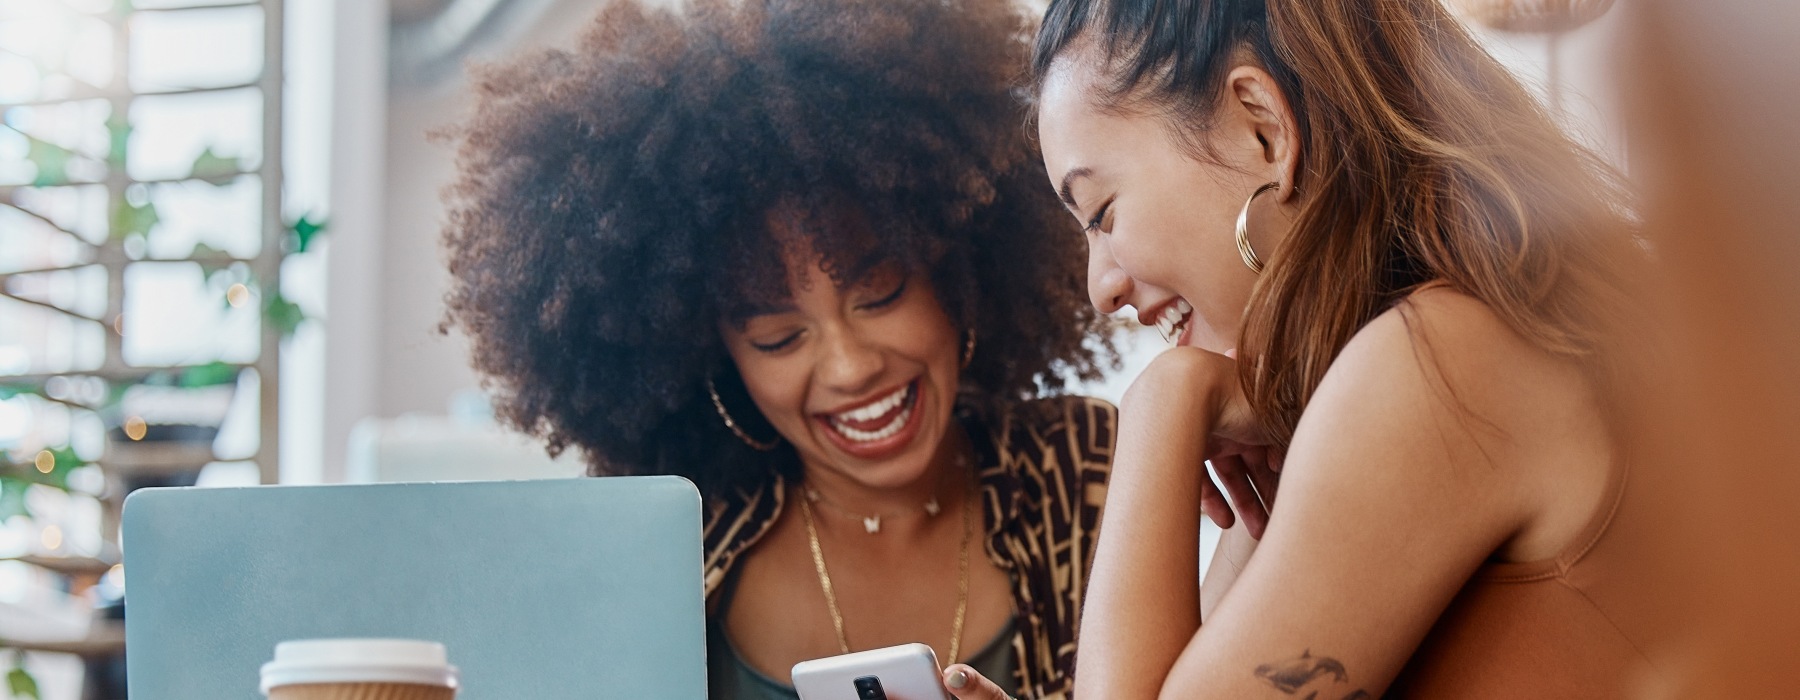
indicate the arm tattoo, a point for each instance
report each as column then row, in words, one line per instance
column 1297, row 674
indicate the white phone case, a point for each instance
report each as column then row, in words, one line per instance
column 906, row 672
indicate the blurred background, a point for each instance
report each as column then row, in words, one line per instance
column 219, row 265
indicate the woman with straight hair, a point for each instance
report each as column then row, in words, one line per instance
column 1385, row 262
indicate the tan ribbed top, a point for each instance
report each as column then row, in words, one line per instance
column 1574, row 626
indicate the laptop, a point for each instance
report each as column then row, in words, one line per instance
column 544, row 589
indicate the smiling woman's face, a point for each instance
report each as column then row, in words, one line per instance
column 860, row 378
column 1159, row 221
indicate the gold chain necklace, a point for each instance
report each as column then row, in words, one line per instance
column 837, row 618
column 871, row 523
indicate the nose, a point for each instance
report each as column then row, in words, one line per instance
column 849, row 363
column 1108, row 286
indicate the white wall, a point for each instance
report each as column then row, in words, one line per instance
column 353, row 250
column 384, row 356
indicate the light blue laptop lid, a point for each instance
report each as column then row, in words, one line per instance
column 548, row 589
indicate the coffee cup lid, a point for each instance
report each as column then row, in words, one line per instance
column 359, row 661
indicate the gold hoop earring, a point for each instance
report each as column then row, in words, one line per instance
column 968, row 349
column 724, row 415
column 1243, row 230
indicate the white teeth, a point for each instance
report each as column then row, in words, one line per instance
column 874, row 411
column 1173, row 318
column 892, row 428
column 877, row 409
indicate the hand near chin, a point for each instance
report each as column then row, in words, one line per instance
column 1187, row 391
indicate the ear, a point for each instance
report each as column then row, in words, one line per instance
column 1264, row 108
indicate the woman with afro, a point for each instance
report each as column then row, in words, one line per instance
column 800, row 253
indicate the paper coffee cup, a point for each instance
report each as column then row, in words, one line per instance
column 359, row 669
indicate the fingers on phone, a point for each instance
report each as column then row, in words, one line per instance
column 968, row 684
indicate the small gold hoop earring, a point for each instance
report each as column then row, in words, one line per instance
column 1243, row 230
column 968, row 349
column 724, row 415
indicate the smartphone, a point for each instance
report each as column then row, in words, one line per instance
column 905, row 672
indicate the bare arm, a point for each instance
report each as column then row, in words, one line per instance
column 1142, row 603
column 1391, row 497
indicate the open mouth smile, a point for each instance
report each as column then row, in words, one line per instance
column 878, row 427
column 1175, row 321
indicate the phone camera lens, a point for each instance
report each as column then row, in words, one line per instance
column 869, row 688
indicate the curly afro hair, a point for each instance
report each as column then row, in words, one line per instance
column 612, row 206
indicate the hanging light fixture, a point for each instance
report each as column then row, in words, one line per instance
column 1552, row 18
column 1535, row 16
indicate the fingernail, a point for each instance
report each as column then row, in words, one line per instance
column 958, row 679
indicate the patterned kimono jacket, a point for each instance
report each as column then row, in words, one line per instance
column 1043, row 467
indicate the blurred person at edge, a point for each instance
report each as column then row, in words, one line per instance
column 1713, row 110
column 799, row 252
column 1420, row 278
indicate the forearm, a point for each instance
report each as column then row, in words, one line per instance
column 1143, row 595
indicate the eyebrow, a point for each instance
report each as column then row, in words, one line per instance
column 865, row 266
column 1069, row 178
column 747, row 310
column 740, row 313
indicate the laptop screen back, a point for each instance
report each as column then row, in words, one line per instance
column 563, row 588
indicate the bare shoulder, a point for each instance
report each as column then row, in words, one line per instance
column 1457, row 354
column 1429, row 448
column 1446, row 380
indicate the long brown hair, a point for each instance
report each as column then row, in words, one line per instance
column 1423, row 160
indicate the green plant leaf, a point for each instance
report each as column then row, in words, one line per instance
column 115, row 392
column 19, row 475
column 8, row 391
column 12, row 498
column 305, row 230
column 215, row 168
column 202, row 249
column 21, row 685
column 52, row 162
column 210, row 374
column 129, row 218
column 209, row 259
column 119, row 132
column 282, row 315
column 66, row 460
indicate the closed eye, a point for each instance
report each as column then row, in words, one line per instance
column 778, row 345
column 1099, row 217
column 887, row 300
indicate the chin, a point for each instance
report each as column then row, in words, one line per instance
column 902, row 469
column 894, row 474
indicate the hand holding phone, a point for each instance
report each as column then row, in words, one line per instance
column 905, row 672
